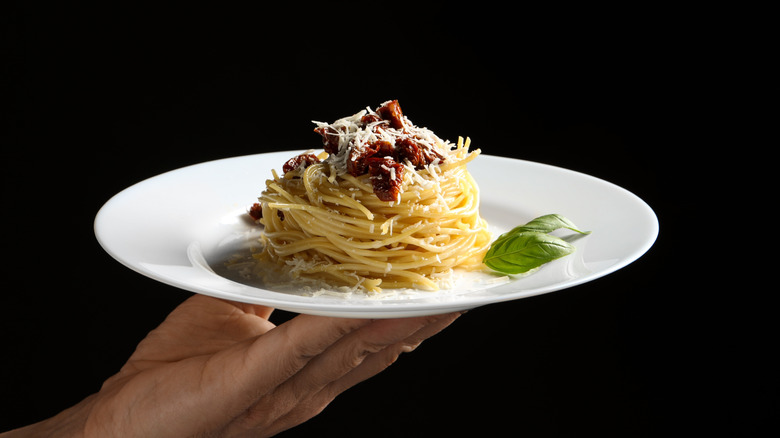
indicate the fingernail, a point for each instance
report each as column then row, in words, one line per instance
column 408, row 348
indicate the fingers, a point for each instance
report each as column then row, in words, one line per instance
column 254, row 309
column 375, row 363
column 357, row 356
column 351, row 351
column 304, row 338
column 273, row 358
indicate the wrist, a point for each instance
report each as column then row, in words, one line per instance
column 67, row 424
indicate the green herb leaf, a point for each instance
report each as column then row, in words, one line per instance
column 528, row 246
column 546, row 224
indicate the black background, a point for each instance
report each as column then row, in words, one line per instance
column 103, row 97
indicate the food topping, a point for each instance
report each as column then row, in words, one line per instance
column 256, row 211
column 386, row 177
column 299, row 161
column 381, row 143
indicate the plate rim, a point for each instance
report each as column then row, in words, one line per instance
column 378, row 311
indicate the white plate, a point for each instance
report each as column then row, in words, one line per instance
column 180, row 227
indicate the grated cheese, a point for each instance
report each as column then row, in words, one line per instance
column 352, row 136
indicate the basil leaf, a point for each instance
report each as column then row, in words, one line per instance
column 529, row 246
column 521, row 252
column 545, row 224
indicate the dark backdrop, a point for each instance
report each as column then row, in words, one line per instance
column 103, row 97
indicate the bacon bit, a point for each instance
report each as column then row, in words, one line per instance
column 408, row 149
column 301, row 160
column 356, row 162
column 330, row 139
column 391, row 111
column 256, row 211
column 369, row 118
column 383, row 148
column 429, row 156
column 386, row 177
column 399, row 141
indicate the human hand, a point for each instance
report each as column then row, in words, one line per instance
column 219, row 368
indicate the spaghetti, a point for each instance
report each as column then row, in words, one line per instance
column 403, row 217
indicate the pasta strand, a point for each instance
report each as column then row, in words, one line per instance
column 334, row 229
